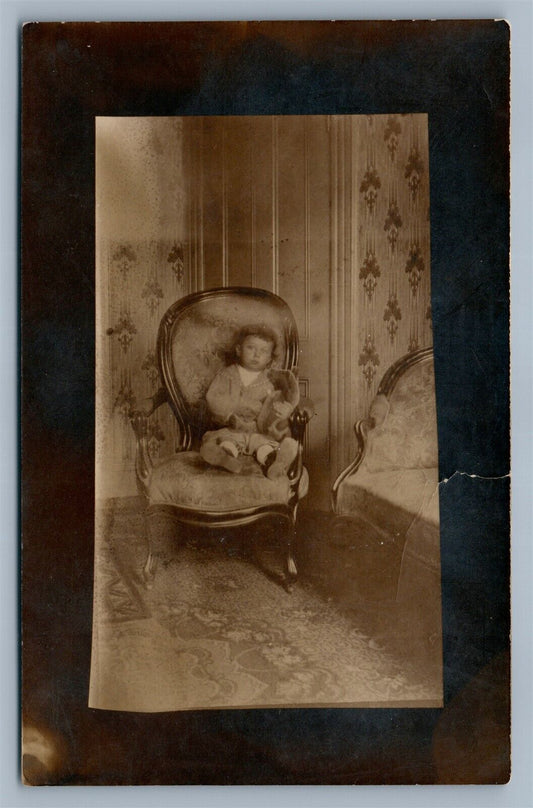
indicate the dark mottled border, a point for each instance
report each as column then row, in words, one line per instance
column 457, row 72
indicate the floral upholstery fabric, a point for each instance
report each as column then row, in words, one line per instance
column 186, row 481
column 203, row 338
column 405, row 435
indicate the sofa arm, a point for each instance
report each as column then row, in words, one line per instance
column 361, row 429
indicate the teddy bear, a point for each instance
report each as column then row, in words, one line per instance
column 286, row 390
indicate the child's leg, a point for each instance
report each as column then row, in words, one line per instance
column 274, row 458
column 283, row 459
column 265, row 456
column 263, row 449
column 221, row 448
column 230, row 447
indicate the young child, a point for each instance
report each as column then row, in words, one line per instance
column 251, row 405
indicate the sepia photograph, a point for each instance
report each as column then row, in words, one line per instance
column 265, row 410
column 267, row 499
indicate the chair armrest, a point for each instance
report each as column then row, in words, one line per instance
column 300, row 417
column 139, row 423
column 157, row 400
column 298, row 421
column 306, row 405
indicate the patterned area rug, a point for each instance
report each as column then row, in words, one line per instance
column 216, row 632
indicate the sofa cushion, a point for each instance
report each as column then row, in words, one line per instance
column 392, row 500
column 186, row 481
column 405, row 433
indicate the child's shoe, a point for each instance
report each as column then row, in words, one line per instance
column 215, row 455
column 286, row 454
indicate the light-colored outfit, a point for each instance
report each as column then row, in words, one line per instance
column 236, row 399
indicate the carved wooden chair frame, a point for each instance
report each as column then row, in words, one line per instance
column 190, row 435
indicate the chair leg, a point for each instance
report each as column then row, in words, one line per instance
column 149, row 570
column 291, row 571
column 161, row 534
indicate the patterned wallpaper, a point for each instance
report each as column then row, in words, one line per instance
column 393, row 249
column 379, row 171
column 144, row 279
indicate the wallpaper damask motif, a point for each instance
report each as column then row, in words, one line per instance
column 144, row 279
column 394, row 246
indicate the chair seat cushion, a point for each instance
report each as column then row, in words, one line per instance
column 393, row 499
column 186, row 481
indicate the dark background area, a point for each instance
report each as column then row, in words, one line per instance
column 458, row 73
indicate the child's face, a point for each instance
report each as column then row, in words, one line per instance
column 254, row 353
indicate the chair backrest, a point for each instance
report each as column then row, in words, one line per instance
column 196, row 339
column 404, row 414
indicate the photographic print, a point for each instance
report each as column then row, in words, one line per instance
column 265, row 403
column 307, row 237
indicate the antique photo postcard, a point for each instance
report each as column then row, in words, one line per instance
column 330, row 214
column 265, row 418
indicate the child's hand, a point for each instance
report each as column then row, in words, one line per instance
column 282, row 408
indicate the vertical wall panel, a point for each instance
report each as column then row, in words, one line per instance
column 291, row 217
column 335, row 428
column 238, row 147
column 194, row 178
column 275, row 204
column 306, row 322
column 262, row 168
column 213, row 178
column 355, row 303
column 309, row 292
column 341, row 282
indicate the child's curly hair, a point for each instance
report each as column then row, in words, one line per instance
column 263, row 332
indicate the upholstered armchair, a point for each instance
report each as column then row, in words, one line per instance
column 390, row 491
column 194, row 342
